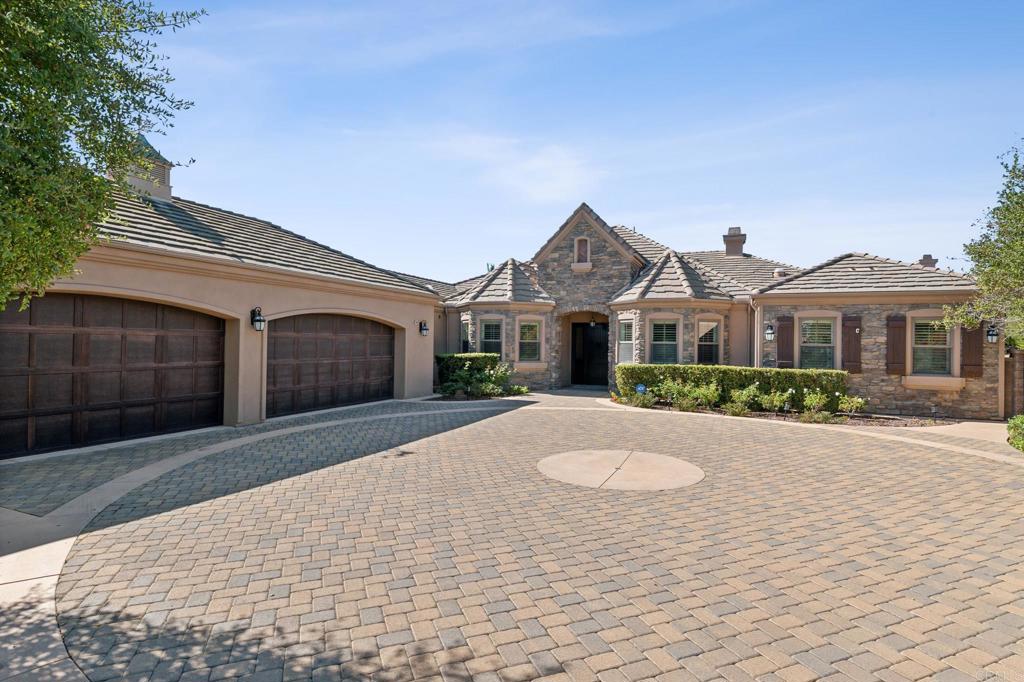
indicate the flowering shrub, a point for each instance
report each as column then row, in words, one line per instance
column 775, row 401
column 851, row 404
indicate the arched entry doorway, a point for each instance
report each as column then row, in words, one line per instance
column 318, row 361
column 587, row 353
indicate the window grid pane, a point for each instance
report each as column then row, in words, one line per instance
column 626, row 331
column 707, row 353
column 663, row 353
column 816, row 332
column 927, row 334
column 817, row 357
column 529, row 342
column 491, row 341
column 663, row 332
column 930, row 360
column 625, row 351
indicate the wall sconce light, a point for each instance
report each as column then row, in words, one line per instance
column 992, row 334
column 424, row 328
column 769, row 332
column 593, row 322
column 259, row 323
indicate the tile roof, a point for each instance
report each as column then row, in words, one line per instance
column 671, row 277
column 737, row 275
column 442, row 289
column 865, row 273
column 642, row 244
column 510, row 282
column 191, row 227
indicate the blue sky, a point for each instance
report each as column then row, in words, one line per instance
column 435, row 137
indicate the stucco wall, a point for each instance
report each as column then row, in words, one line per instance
column 230, row 291
column 978, row 399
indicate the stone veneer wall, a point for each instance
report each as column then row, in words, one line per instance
column 536, row 378
column 582, row 291
column 687, row 318
column 979, row 399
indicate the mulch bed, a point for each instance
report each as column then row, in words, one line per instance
column 845, row 420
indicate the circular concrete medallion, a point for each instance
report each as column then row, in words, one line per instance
column 620, row 470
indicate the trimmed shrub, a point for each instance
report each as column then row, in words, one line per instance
column 684, row 403
column 707, row 395
column 851, row 404
column 736, row 409
column 645, row 400
column 449, row 363
column 479, row 376
column 729, row 378
column 774, row 401
column 747, row 397
column 1016, row 428
column 815, row 401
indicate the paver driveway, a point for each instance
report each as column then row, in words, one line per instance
column 431, row 546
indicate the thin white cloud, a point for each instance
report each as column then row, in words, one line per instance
column 534, row 171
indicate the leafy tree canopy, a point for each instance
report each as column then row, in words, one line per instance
column 997, row 257
column 80, row 80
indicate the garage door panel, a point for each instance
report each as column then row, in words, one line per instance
column 52, row 391
column 13, row 349
column 52, row 310
column 102, row 424
column 140, row 350
column 179, row 348
column 53, row 431
column 99, row 369
column 14, row 393
column 102, row 387
column 13, row 436
column 102, row 312
column 104, row 349
column 140, row 315
column 54, row 350
column 140, row 384
column 319, row 361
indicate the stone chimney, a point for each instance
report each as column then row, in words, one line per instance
column 734, row 240
column 155, row 180
column 928, row 261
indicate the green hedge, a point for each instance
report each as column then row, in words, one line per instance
column 1016, row 429
column 829, row 381
column 449, row 362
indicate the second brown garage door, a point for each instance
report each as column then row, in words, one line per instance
column 320, row 361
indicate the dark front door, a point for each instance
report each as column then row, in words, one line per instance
column 590, row 353
column 76, row 370
column 320, row 361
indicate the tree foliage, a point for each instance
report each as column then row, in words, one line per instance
column 997, row 257
column 80, row 80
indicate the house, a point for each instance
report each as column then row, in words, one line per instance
column 191, row 316
column 596, row 295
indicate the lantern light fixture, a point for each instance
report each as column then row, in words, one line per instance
column 259, row 323
column 769, row 332
column 992, row 334
column 424, row 328
column 593, row 322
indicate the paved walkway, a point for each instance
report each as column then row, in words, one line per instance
column 425, row 544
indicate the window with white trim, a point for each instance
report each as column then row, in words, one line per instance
column 625, row 341
column 664, row 337
column 582, row 250
column 932, row 348
column 817, row 343
column 529, row 341
column 708, row 342
column 490, row 337
column 464, row 337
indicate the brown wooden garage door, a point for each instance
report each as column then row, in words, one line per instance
column 320, row 361
column 77, row 369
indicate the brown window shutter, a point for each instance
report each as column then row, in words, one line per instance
column 784, row 341
column 851, row 344
column 896, row 344
column 972, row 350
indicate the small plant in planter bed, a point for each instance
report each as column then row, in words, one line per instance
column 776, row 401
